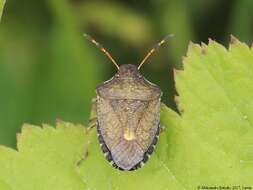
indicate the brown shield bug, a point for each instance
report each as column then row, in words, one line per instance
column 127, row 114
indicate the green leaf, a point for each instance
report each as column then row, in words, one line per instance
column 2, row 2
column 46, row 159
column 209, row 144
column 214, row 141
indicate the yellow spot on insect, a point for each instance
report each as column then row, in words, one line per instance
column 129, row 135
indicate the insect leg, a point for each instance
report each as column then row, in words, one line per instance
column 93, row 114
column 79, row 162
column 92, row 123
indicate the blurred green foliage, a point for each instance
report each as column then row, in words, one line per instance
column 48, row 70
column 2, row 2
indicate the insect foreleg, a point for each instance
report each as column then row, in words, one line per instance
column 92, row 123
column 93, row 114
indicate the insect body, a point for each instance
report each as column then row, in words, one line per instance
column 128, row 116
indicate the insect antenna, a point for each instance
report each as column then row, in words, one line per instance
column 165, row 39
column 88, row 37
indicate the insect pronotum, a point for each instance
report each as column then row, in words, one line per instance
column 128, row 114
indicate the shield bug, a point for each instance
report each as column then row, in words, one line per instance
column 127, row 114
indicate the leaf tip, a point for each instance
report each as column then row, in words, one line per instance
column 192, row 47
column 18, row 136
column 59, row 121
column 46, row 126
column 26, row 126
column 176, row 71
column 191, row 44
column 203, row 48
column 211, row 41
column 177, row 101
column 184, row 58
column 233, row 39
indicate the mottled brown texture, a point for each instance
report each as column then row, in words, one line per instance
column 128, row 113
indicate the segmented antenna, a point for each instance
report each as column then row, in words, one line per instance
column 88, row 37
column 165, row 39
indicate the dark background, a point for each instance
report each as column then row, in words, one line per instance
column 49, row 71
